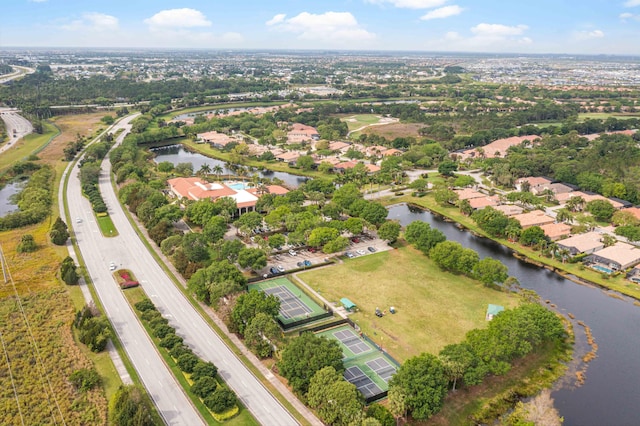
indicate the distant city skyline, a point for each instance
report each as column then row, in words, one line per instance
column 543, row 26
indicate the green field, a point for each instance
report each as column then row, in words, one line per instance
column 434, row 308
column 357, row 121
column 30, row 144
column 106, row 226
column 605, row 115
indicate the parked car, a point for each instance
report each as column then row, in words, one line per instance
column 349, row 255
column 307, row 262
column 300, row 264
column 312, row 250
column 280, row 268
column 355, row 239
column 292, row 252
column 277, row 257
column 371, row 249
column 273, row 270
column 361, row 252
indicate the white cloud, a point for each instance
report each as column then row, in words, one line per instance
column 178, row 18
column 588, row 35
column 38, row 1
column 626, row 15
column 93, row 21
column 452, row 36
column 443, row 12
column 276, row 19
column 328, row 26
column 497, row 30
column 632, row 3
column 410, row 4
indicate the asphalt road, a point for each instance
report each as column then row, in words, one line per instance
column 128, row 251
column 17, row 73
column 17, row 123
column 98, row 251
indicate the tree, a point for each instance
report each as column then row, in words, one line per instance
column 215, row 281
column 564, row 215
column 389, row 231
column 490, row 271
column 322, row 235
column 221, row 400
column 195, row 247
column 422, row 236
column 451, row 256
column 374, row 213
column 248, row 222
column 354, row 225
column 532, row 236
column 491, row 220
column 447, row 167
column 336, row 245
column 381, row 414
column 276, row 240
column 204, row 386
column 473, row 369
column 248, row 305
column 305, row 355
column 68, row 271
column 204, row 369
column 253, row 258
column 27, row 244
column 445, row 197
column 215, row 229
column 346, row 195
column 165, row 167
column 130, row 407
column 305, row 162
column 261, row 334
column 602, row 210
column 422, row 379
column 336, row 401
column 59, row 233
column 397, row 402
column 85, row 379
column 184, row 169
column 575, row 204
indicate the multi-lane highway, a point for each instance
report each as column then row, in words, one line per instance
column 17, row 73
column 98, row 251
column 127, row 251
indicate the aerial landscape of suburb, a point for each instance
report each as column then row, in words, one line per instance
column 350, row 213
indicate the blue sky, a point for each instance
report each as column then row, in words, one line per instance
column 523, row 26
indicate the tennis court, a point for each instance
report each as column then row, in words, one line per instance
column 382, row 368
column 296, row 307
column 362, row 382
column 367, row 367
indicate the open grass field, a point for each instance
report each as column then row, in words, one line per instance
column 394, row 130
column 30, row 144
column 49, row 311
column 357, row 121
column 605, row 115
column 435, row 308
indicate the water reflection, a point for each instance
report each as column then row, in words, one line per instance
column 611, row 394
column 7, row 197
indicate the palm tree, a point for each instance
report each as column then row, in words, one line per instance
column 575, row 203
column 564, row 215
column 205, row 169
column 218, row 170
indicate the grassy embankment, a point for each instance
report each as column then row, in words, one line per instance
column 29, row 145
column 435, row 308
column 617, row 283
column 244, row 417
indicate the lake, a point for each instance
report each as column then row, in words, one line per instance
column 7, row 195
column 176, row 154
column 611, row 393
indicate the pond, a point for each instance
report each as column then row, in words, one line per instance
column 611, row 393
column 7, row 196
column 176, row 154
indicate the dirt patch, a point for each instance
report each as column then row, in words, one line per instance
column 70, row 126
column 395, row 130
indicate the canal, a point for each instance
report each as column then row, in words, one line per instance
column 611, row 392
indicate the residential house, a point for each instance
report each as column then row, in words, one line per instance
column 288, row 156
column 509, row 209
column 300, row 133
column 582, row 243
column 468, row 194
column 338, row 146
column 556, row 231
column 217, row 140
column 341, row 167
column 484, row 201
column 392, row 152
column 534, row 218
column 496, row 148
column 617, row 257
column 533, row 181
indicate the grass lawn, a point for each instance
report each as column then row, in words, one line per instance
column 357, row 121
column 435, row 308
column 106, row 226
column 30, row 144
column 605, row 115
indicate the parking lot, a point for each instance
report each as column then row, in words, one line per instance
column 358, row 247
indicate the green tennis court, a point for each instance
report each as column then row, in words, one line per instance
column 295, row 305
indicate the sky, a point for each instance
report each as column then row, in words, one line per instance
column 505, row 26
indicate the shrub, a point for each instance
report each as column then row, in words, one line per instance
column 204, row 369
column 145, row 305
column 162, row 330
column 221, row 400
column 204, row 386
column 150, row 315
column 179, row 350
column 27, row 244
column 187, row 361
column 85, row 379
column 170, row 340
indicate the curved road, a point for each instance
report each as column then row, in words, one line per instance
column 128, row 251
column 17, row 127
column 171, row 401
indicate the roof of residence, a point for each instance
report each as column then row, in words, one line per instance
column 583, row 242
column 485, row 201
column 621, row 253
column 337, row 145
column 468, row 194
column 534, row 180
column 499, row 147
column 216, row 138
column 271, row 189
column 534, row 218
column 196, row 189
column 556, row 230
column 509, row 209
column 288, row 156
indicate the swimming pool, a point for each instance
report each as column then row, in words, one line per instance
column 602, row 269
column 237, row 186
